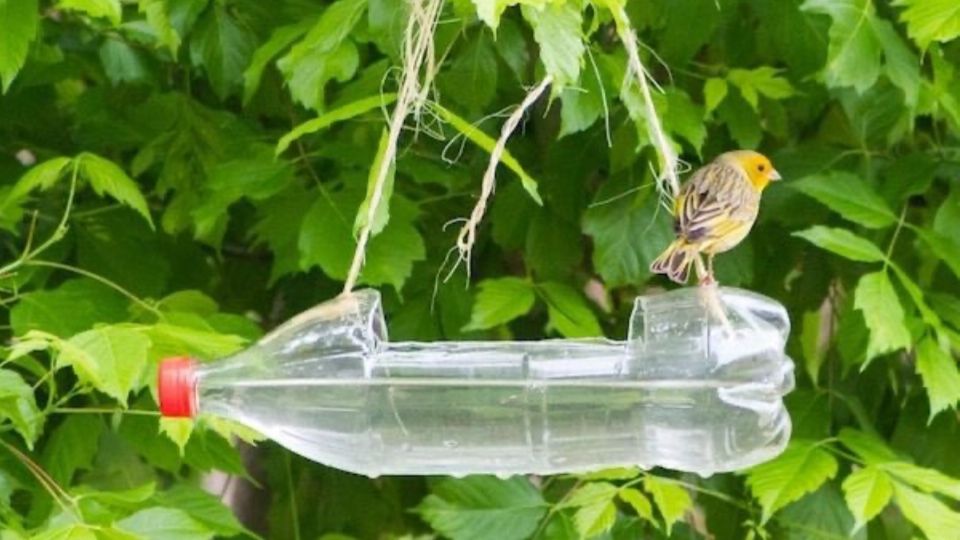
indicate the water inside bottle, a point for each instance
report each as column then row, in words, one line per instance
column 683, row 391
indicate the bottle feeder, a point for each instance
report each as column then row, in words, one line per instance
column 693, row 388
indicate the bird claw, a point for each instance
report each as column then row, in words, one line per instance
column 708, row 281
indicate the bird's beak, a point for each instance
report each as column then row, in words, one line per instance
column 774, row 175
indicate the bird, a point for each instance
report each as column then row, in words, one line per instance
column 714, row 212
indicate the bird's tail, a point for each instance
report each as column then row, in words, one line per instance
column 675, row 261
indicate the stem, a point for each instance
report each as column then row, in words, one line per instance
column 57, row 235
column 710, row 492
column 294, row 515
column 893, row 239
column 137, row 300
column 45, row 480
column 316, row 179
column 95, row 410
column 555, row 508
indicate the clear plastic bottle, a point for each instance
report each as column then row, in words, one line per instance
column 693, row 388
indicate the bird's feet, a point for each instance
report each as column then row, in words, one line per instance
column 708, row 280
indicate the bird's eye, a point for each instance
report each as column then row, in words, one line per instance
column 761, row 167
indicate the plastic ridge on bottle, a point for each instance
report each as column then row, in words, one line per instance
column 691, row 389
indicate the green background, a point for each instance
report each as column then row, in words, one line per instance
column 147, row 210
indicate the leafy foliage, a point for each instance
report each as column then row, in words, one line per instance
column 178, row 176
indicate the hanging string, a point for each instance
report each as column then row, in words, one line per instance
column 668, row 181
column 468, row 233
column 418, row 50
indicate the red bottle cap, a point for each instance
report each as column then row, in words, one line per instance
column 176, row 384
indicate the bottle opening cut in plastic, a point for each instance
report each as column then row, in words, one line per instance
column 697, row 386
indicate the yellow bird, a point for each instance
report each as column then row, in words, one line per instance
column 714, row 212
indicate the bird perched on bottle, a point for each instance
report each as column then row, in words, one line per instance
column 714, row 212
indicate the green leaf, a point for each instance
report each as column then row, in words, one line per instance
column 743, row 123
column 943, row 247
column 761, row 81
column 948, row 307
column 127, row 499
column 814, row 353
column 870, row 448
column 42, row 177
column 88, row 302
column 924, row 479
column 854, row 52
column 801, row 469
column 557, row 29
column 867, row 491
column 929, row 316
column 581, row 106
column 614, row 473
column 107, row 178
column 638, row 501
column 484, row 141
column 17, row 404
column 489, row 11
column 280, row 39
column 930, row 20
column 672, row 500
column 931, row 516
column 73, row 531
column 203, row 507
column 386, row 21
column 480, row 507
column 568, row 311
column 327, row 119
column 177, row 430
column 325, row 53
column 382, row 214
column 109, row 358
column 596, row 511
column 882, row 311
column 615, row 222
column 858, row 41
column 81, row 434
column 683, row 118
column 160, row 523
column 223, row 46
column 107, row 9
column 947, row 219
column 847, row 195
column 714, row 92
column 843, row 243
column 326, row 240
column 123, row 63
column 940, row 375
column 818, row 516
column 592, row 493
column 207, row 450
column 232, row 430
column 500, row 301
column 255, row 177
column 19, row 20
column 471, row 80
column 902, row 65
column 159, row 21
column 120, row 247
column 190, row 337
column 279, row 227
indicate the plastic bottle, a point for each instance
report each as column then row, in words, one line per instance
column 693, row 388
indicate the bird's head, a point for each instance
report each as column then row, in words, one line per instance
column 756, row 165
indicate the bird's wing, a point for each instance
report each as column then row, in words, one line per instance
column 710, row 201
